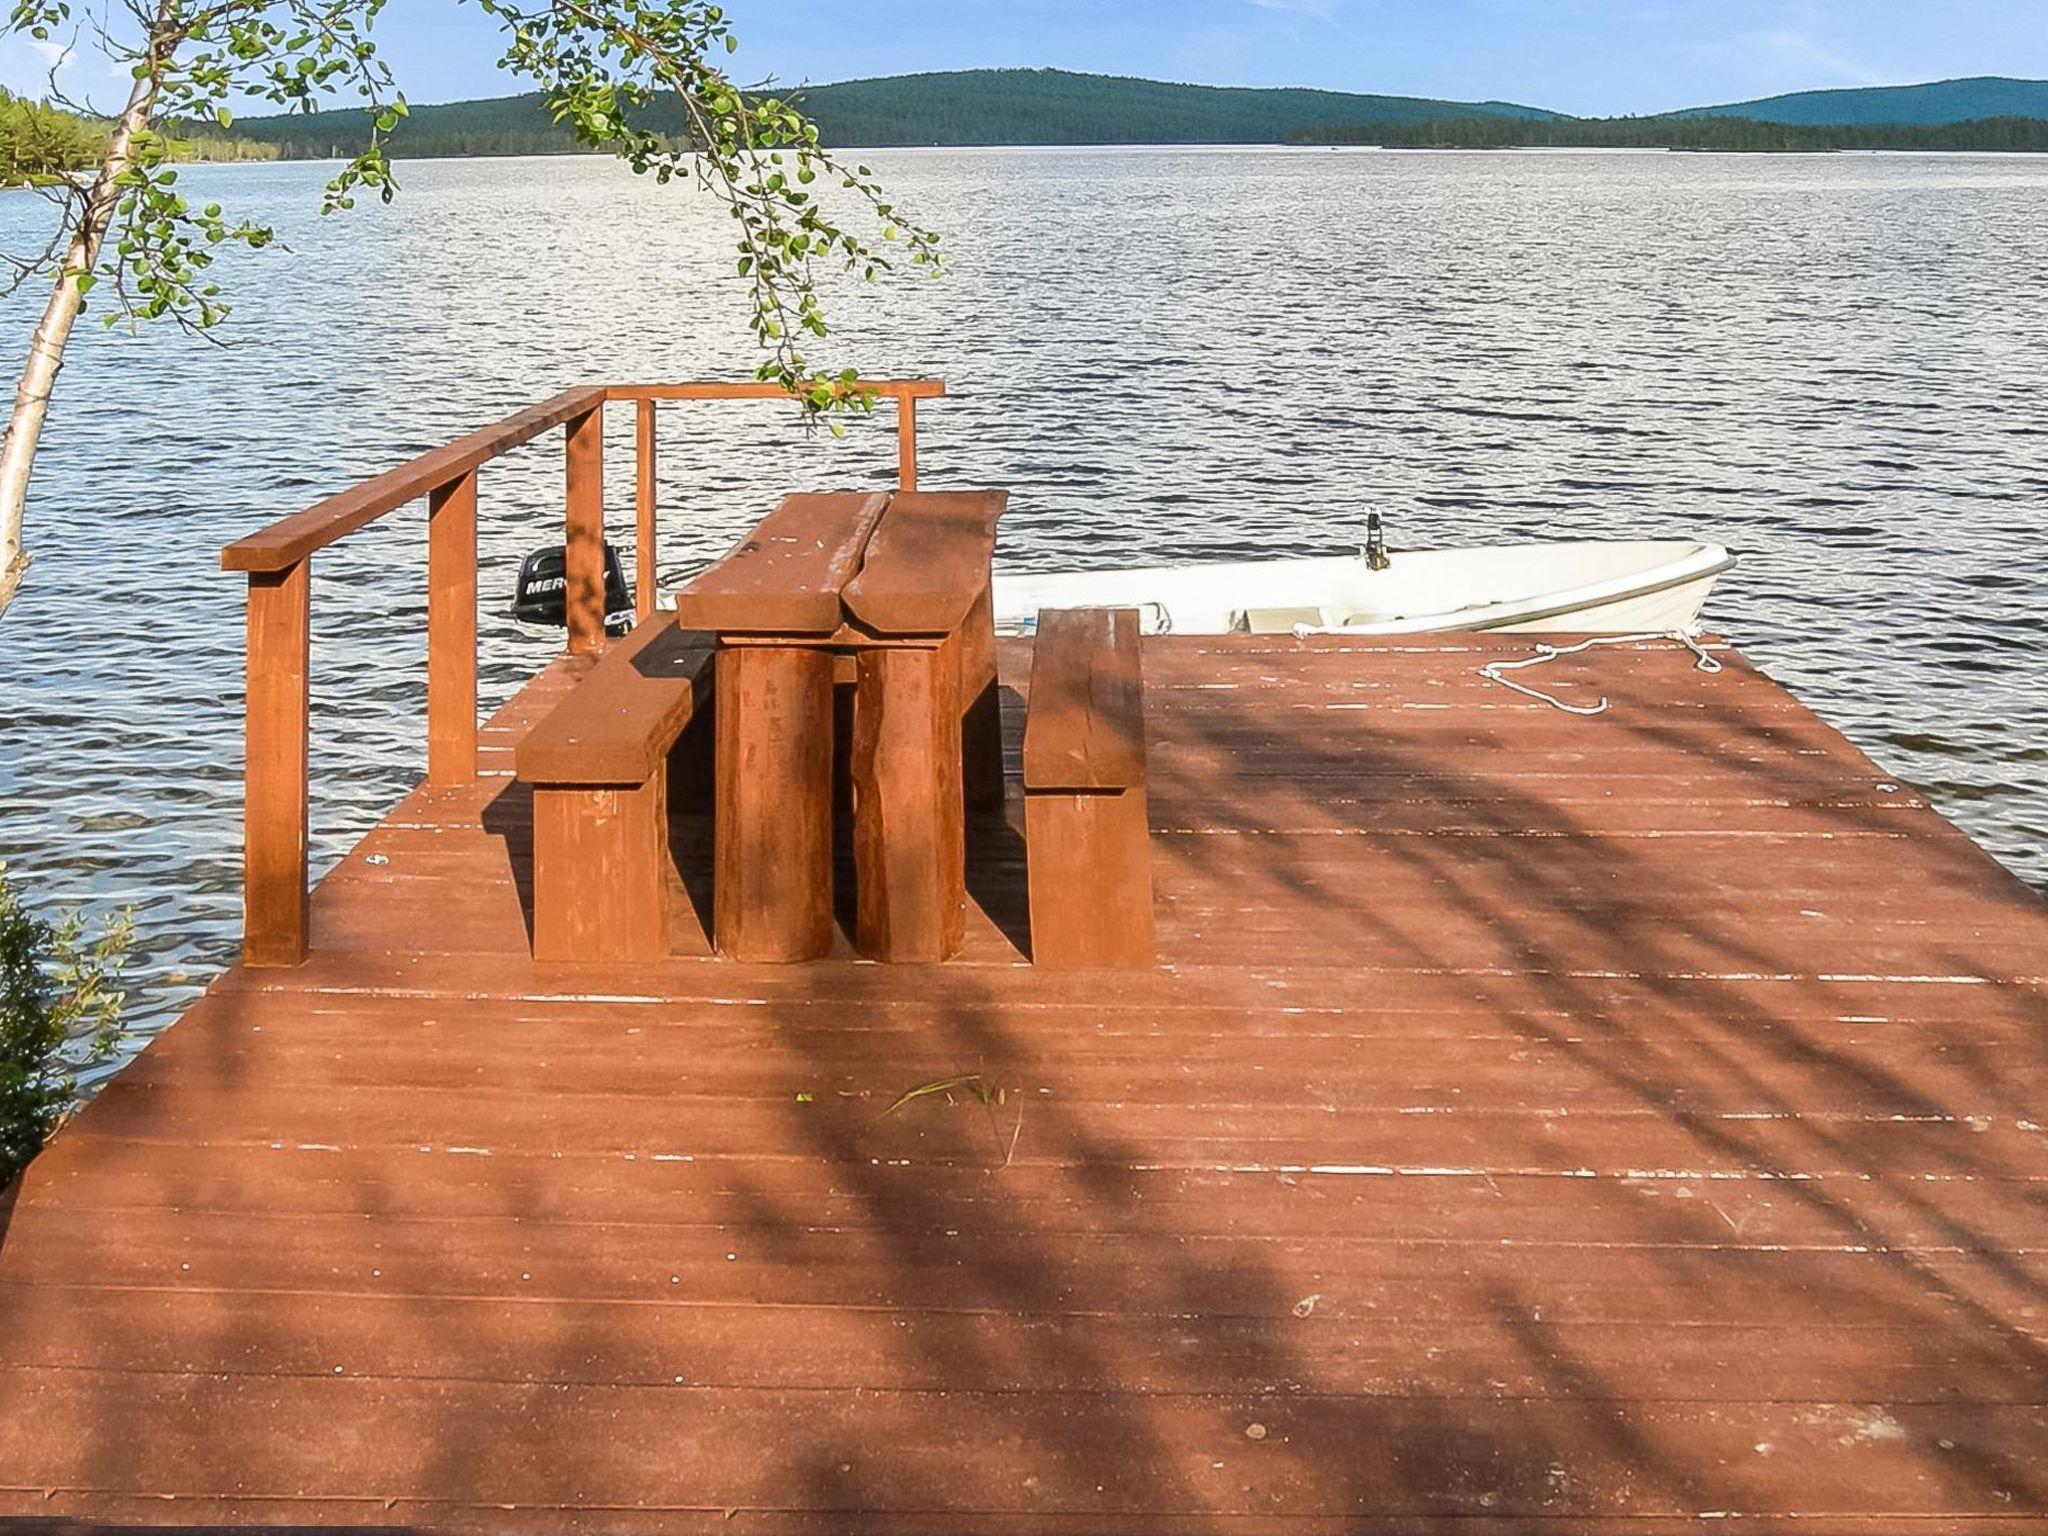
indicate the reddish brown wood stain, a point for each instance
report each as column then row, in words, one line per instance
column 1087, row 825
column 1536, row 1122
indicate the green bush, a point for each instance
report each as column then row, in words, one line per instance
column 59, row 1014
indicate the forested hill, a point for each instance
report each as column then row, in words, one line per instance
column 981, row 106
column 1050, row 106
column 1942, row 101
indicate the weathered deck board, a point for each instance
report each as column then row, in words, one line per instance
column 1579, row 1124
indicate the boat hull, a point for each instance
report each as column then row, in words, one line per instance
column 1616, row 587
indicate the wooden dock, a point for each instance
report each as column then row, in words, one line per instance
column 1535, row 1122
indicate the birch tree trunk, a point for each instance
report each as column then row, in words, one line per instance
column 46, row 349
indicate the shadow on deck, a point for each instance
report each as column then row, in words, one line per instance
column 1559, row 1121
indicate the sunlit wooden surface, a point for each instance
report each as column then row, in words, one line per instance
column 1535, row 1122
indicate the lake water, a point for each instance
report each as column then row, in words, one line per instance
column 1838, row 366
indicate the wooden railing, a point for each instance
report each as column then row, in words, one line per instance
column 279, row 561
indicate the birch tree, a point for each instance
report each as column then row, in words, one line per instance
column 642, row 79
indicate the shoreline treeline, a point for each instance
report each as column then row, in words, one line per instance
column 1715, row 134
column 41, row 143
column 502, row 129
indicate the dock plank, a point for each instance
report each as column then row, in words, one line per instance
column 1580, row 1124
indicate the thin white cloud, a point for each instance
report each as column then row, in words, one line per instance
column 1788, row 48
column 56, row 57
column 1324, row 9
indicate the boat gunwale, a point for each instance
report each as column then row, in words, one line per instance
column 1703, row 560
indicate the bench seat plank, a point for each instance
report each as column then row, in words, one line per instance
column 618, row 723
column 1086, row 725
column 927, row 563
column 786, row 576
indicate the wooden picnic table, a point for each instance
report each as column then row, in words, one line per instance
column 896, row 591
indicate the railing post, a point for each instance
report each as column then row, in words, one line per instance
column 274, row 802
column 906, row 443
column 643, row 509
column 583, row 533
column 451, row 631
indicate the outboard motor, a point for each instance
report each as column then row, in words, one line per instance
column 1376, row 556
column 540, row 594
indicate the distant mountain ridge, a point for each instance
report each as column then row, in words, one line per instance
column 960, row 107
column 1060, row 107
column 1935, row 103
column 1055, row 106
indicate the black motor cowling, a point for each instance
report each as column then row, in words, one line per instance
column 539, row 595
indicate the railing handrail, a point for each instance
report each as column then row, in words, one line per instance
column 279, row 565
column 290, row 539
column 887, row 389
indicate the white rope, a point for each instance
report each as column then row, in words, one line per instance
column 1687, row 637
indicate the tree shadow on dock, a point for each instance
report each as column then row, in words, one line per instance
column 1496, row 1142
column 1712, row 1048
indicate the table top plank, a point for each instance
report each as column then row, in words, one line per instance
column 927, row 562
column 785, row 577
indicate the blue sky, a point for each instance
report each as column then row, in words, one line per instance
column 1582, row 56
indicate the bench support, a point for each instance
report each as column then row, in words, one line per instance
column 1088, row 863
column 612, row 890
column 909, row 831
column 772, row 891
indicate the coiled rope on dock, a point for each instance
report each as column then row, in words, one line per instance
column 1689, row 637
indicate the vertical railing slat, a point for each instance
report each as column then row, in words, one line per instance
column 451, row 631
column 583, row 533
column 644, row 573
column 274, row 901
column 906, row 443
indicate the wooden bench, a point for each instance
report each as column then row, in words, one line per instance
column 774, row 602
column 926, row 728
column 605, row 881
column 1087, row 851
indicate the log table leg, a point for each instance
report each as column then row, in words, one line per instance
column 772, row 886
column 909, row 831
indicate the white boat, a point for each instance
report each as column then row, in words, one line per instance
column 1592, row 587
